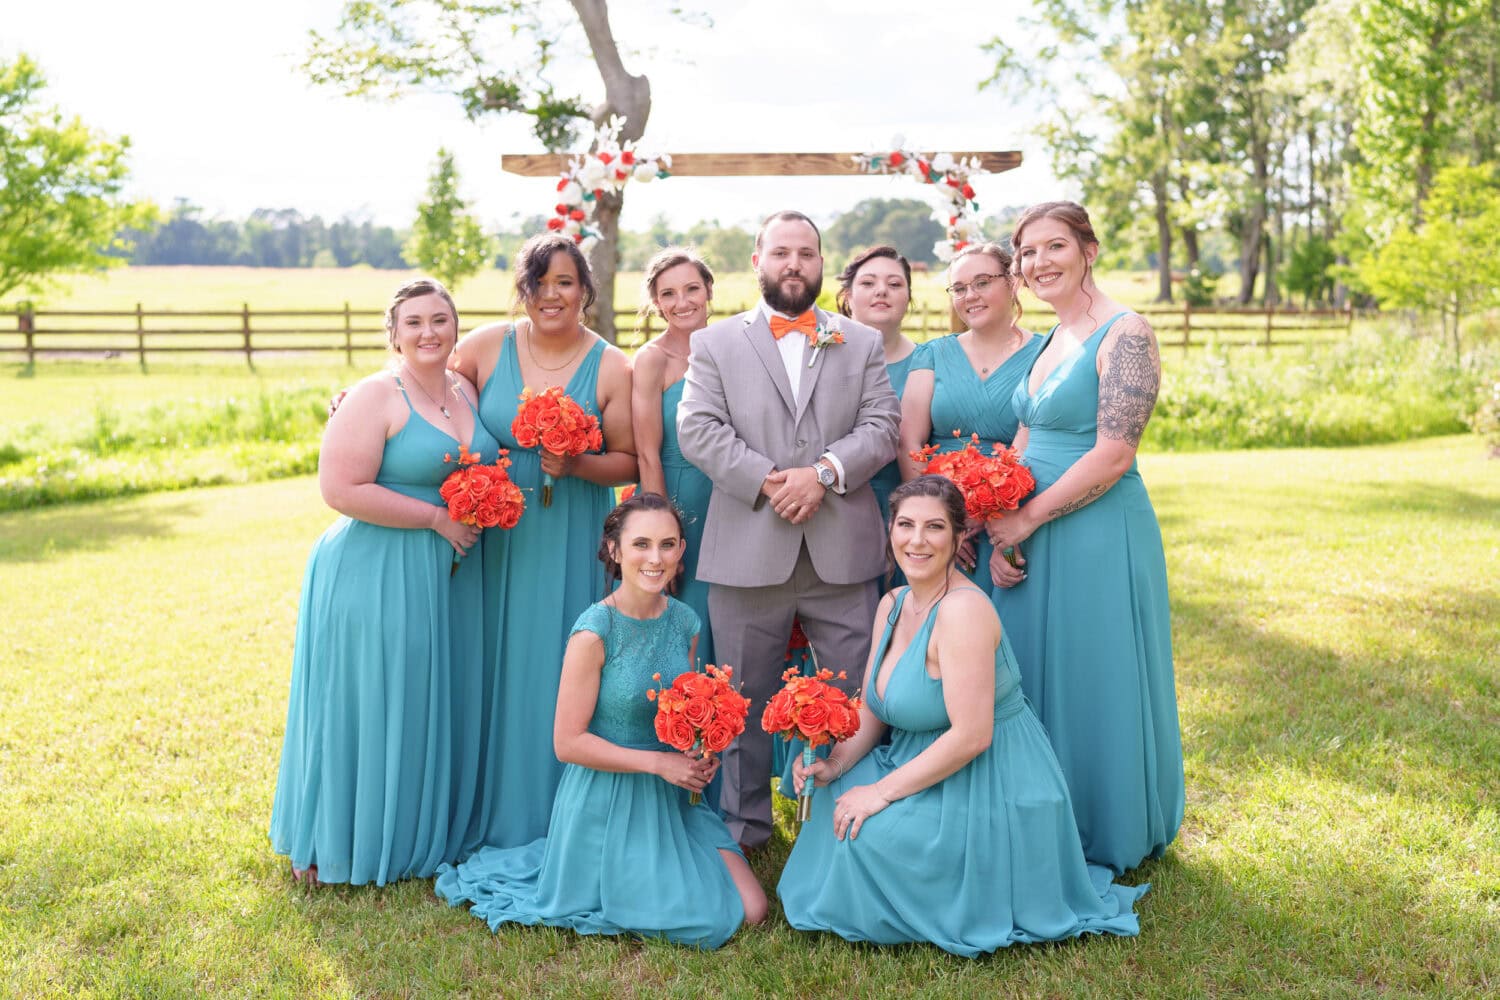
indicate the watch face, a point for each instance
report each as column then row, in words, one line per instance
column 825, row 475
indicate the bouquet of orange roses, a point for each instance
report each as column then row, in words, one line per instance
column 810, row 709
column 481, row 495
column 702, row 713
column 553, row 421
column 991, row 484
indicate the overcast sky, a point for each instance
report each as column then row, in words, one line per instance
column 218, row 113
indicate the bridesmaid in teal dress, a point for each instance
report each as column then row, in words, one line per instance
column 1090, row 618
column 959, row 831
column 377, row 779
column 679, row 287
column 875, row 289
column 625, row 852
column 540, row 575
column 961, row 384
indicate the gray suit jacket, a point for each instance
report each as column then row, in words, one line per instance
column 738, row 421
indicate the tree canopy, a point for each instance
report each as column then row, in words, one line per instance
column 62, row 207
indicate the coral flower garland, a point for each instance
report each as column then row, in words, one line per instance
column 699, row 712
column 589, row 176
column 949, row 177
column 810, row 709
column 554, row 422
column 481, row 495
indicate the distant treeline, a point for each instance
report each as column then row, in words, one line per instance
column 270, row 237
column 284, row 237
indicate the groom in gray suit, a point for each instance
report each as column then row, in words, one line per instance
column 789, row 412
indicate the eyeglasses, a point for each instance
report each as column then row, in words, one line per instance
column 978, row 285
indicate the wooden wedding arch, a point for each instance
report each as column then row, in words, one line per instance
column 755, row 165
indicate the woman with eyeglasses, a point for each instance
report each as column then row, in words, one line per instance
column 961, row 384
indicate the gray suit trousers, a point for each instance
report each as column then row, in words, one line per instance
column 750, row 629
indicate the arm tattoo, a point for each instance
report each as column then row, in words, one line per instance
column 1127, row 391
column 1094, row 493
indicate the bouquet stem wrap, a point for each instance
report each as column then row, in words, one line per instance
column 804, row 801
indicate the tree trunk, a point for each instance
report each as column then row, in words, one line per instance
column 627, row 95
column 1255, row 220
column 1190, row 246
column 1163, row 237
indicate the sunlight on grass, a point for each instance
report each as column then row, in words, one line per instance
column 1337, row 633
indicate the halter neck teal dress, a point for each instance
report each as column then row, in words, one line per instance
column 690, row 489
column 378, row 764
column 986, row 858
column 968, row 404
column 538, row 578
column 1092, row 631
column 624, row 853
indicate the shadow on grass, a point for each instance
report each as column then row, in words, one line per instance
column 39, row 535
column 1294, row 699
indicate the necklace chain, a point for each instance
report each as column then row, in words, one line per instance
column 531, row 352
column 447, row 381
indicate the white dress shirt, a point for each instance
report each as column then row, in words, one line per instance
column 791, row 350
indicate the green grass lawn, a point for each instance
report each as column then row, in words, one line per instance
column 1337, row 632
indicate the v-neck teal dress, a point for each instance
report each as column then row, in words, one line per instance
column 538, row 578
column 1092, row 631
column 983, row 859
column 690, row 489
column 624, row 853
column 378, row 763
column 968, row 404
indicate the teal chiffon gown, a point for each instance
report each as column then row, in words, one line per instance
column 986, row 858
column 378, row 765
column 1092, row 632
column 964, row 402
column 624, row 853
column 538, row 578
column 690, row 489
column 889, row 477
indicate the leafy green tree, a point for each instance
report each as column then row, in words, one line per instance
column 61, row 201
column 1308, row 270
column 494, row 57
column 446, row 241
column 1450, row 264
column 904, row 223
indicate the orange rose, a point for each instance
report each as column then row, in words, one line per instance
column 719, row 734
column 695, row 685
column 673, row 730
column 698, row 712
column 813, row 718
column 777, row 717
column 556, row 440
column 843, row 722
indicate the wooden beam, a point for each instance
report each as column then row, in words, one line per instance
column 744, row 164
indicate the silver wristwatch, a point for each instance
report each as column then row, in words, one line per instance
column 826, row 476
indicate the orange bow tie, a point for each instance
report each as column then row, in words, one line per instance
column 806, row 324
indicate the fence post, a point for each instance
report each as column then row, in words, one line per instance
column 1270, row 315
column 1187, row 324
column 140, row 335
column 26, row 323
column 245, row 330
column 1349, row 326
column 348, row 337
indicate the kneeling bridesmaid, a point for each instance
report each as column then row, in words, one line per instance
column 960, row 831
column 625, row 851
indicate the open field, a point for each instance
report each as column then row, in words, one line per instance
column 368, row 288
column 1337, row 632
column 161, row 310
